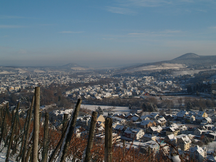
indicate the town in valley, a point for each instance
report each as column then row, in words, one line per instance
column 150, row 105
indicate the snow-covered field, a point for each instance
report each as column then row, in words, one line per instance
column 113, row 109
column 163, row 66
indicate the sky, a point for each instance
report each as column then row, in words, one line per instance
column 100, row 33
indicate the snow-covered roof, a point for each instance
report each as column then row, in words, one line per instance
column 156, row 129
column 182, row 113
column 197, row 149
column 119, row 127
column 145, row 122
column 148, row 135
column 173, row 127
column 145, row 117
column 171, row 137
column 184, row 138
column 183, row 127
column 151, row 144
column 132, row 130
column 153, row 115
column 208, row 119
column 161, row 120
column 135, row 118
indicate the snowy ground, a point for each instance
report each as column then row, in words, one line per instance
column 3, row 155
column 163, row 66
column 106, row 109
column 211, row 147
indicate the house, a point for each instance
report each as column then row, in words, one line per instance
column 129, row 116
column 153, row 116
column 171, row 138
column 169, row 117
column 190, row 118
column 135, row 118
column 147, row 123
column 77, row 131
column 212, row 136
column 116, row 138
column 101, row 137
column 101, row 121
column 199, row 119
column 198, row 132
column 173, row 129
column 202, row 114
column 151, row 146
column 198, row 153
column 181, row 114
column 209, row 126
column 148, row 137
column 155, row 130
column 206, row 120
column 161, row 121
column 99, row 129
column 145, row 117
column 119, row 119
column 115, row 123
column 183, row 142
column 183, row 129
column 119, row 129
column 133, row 133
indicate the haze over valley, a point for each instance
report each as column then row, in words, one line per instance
column 117, row 80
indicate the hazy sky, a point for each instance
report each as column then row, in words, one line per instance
column 104, row 32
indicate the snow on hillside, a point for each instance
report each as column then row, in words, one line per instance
column 39, row 71
column 6, row 72
column 188, row 72
column 163, row 66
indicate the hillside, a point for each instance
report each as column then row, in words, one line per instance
column 188, row 60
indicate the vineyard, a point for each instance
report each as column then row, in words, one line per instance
column 33, row 139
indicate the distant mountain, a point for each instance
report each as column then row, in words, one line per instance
column 188, row 60
column 187, row 56
column 194, row 60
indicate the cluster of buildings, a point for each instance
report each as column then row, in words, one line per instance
column 16, row 82
column 177, row 134
column 119, row 86
column 126, row 87
column 173, row 132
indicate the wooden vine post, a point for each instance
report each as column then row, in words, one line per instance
column 12, row 132
column 65, row 122
column 36, row 125
column 46, row 136
column 3, row 126
column 71, row 129
column 27, row 130
column 91, row 136
column 108, row 139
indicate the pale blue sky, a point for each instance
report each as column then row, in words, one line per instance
column 104, row 32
